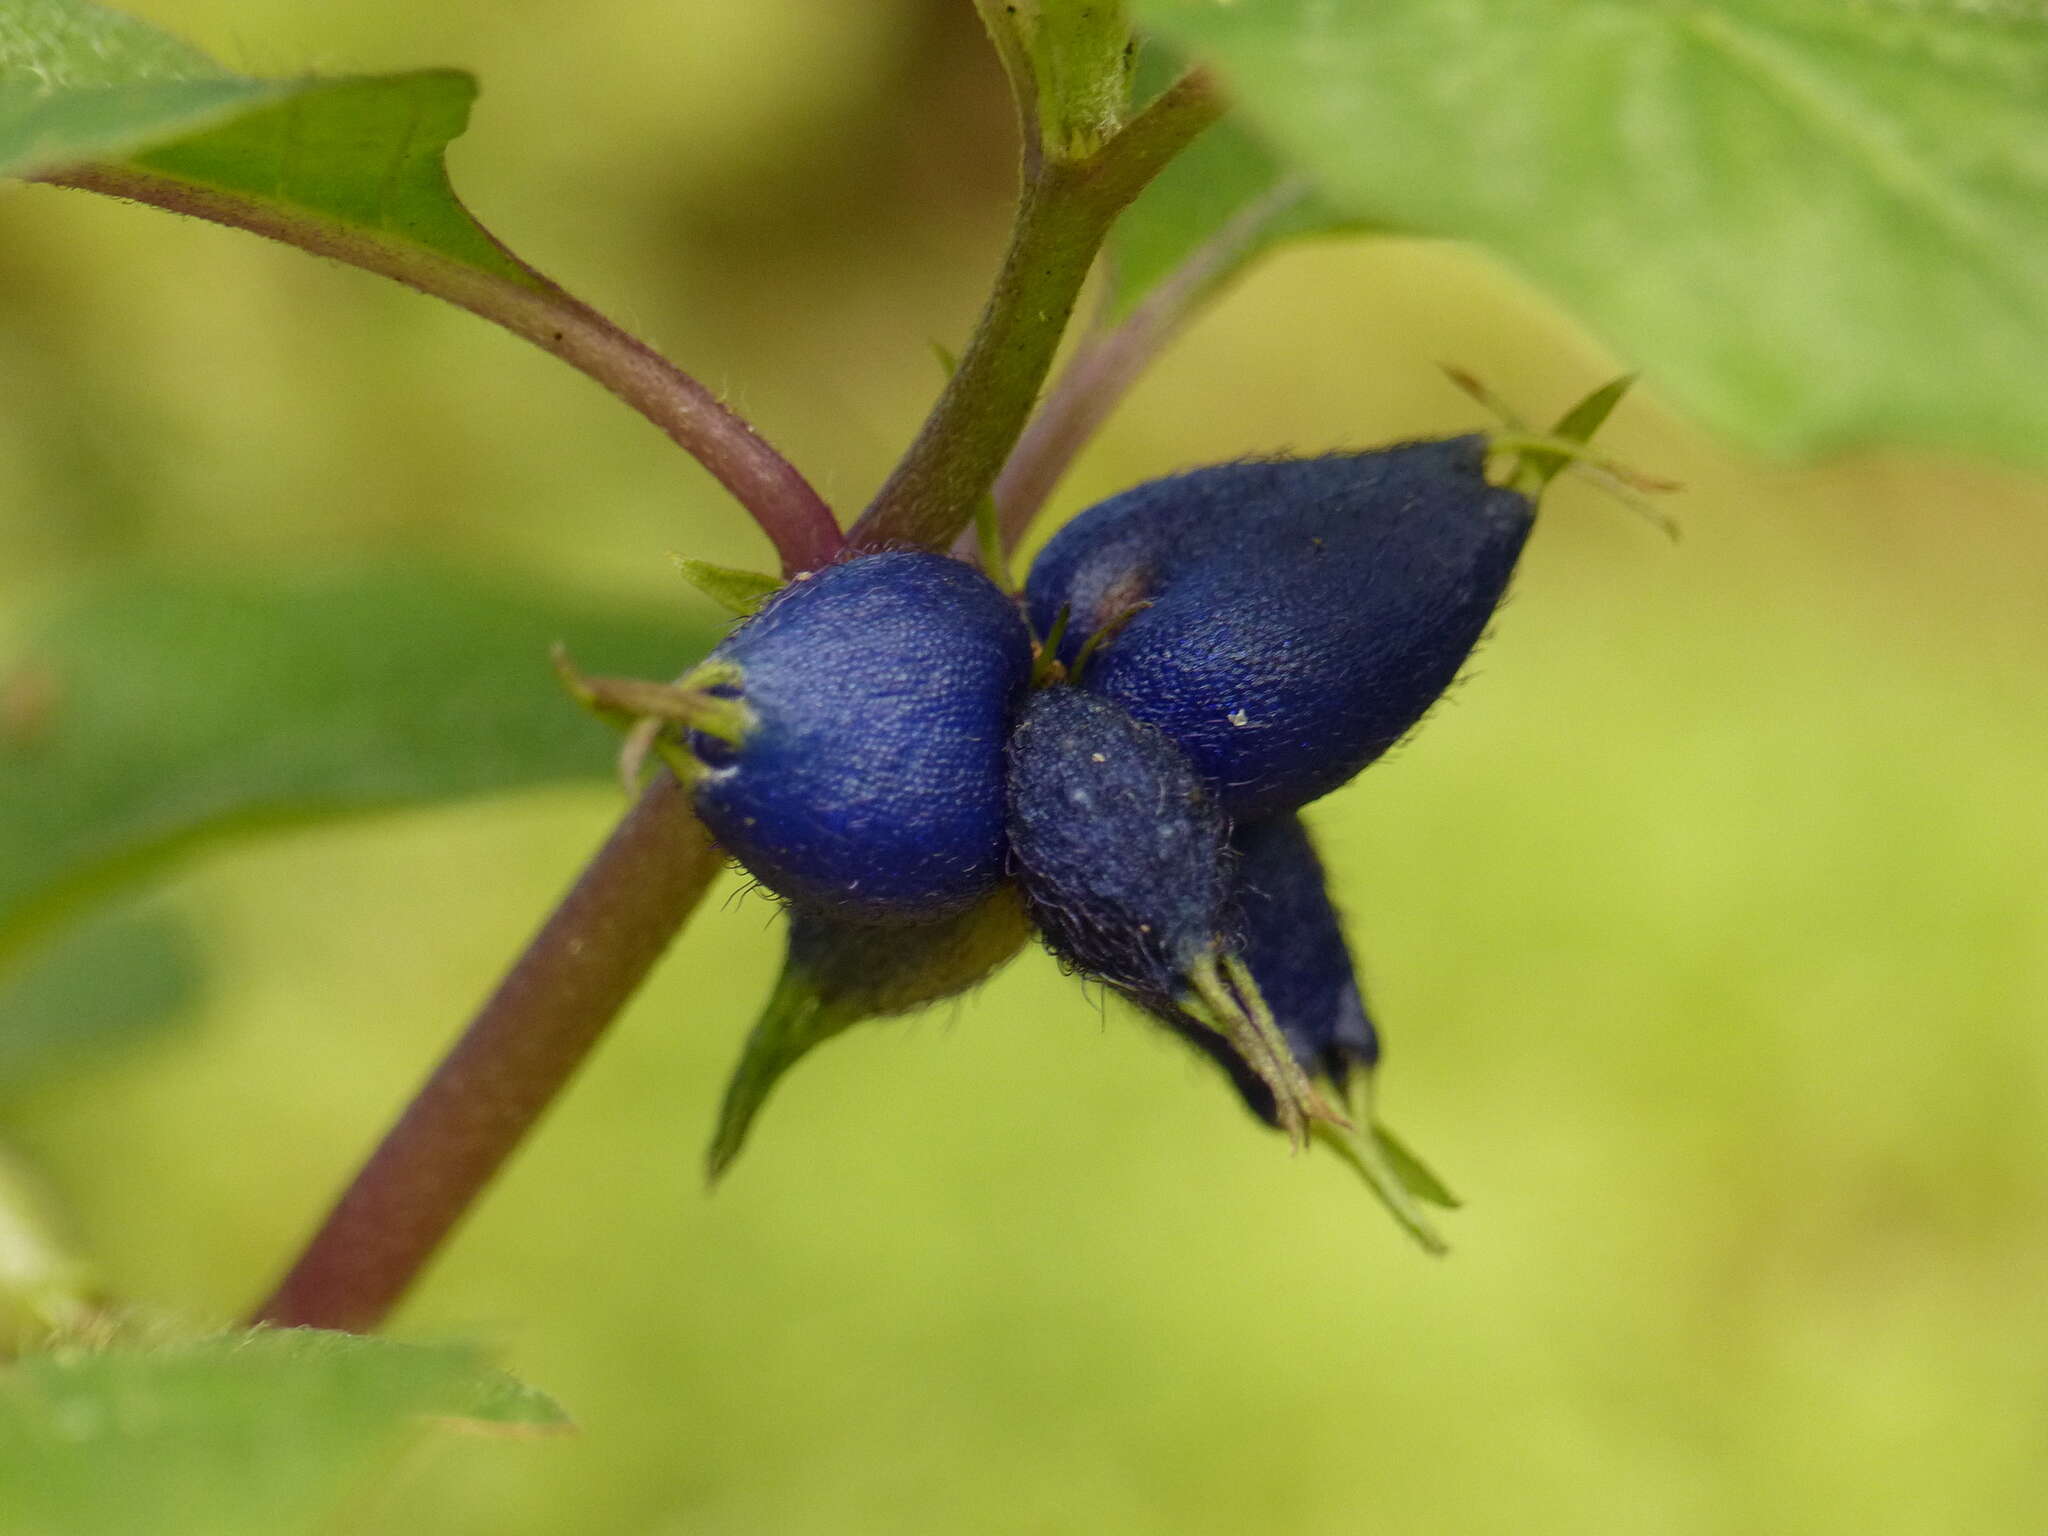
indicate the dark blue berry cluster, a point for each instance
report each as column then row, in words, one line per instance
column 926, row 775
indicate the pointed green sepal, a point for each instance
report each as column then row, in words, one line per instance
column 1400, row 1179
column 1578, row 424
column 652, row 715
column 1476, row 388
column 796, row 1019
column 705, row 699
column 1045, row 666
column 734, row 589
column 1227, row 1000
column 1540, row 457
column 1103, row 636
column 839, row 974
column 1421, row 1179
column 697, row 701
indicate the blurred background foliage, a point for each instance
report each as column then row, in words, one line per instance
column 1706, row 921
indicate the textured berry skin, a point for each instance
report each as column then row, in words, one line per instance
column 870, row 787
column 1290, row 936
column 1304, row 613
column 1121, row 853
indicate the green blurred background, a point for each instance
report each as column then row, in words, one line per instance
column 1706, row 922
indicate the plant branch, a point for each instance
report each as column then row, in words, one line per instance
column 514, row 1059
column 789, row 511
column 1063, row 215
column 1112, row 359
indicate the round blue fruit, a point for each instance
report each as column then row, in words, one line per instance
column 1299, row 616
column 868, row 781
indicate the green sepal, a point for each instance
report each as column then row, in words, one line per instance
column 1102, row 637
column 689, row 702
column 1537, row 467
column 653, row 715
column 731, row 587
column 1400, row 1179
column 1421, row 1180
column 1224, row 997
column 1537, row 458
column 1045, row 666
column 838, row 974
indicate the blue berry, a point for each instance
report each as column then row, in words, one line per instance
column 1123, row 857
column 864, row 778
column 1300, row 615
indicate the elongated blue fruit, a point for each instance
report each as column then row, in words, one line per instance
column 1123, row 857
column 851, row 737
column 1300, row 615
column 1293, row 942
column 838, row 974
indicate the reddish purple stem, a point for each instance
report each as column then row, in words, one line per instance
column 509, row 1065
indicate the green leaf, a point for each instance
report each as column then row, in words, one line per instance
column 78, row 82
column 352, row 170
column 100, row 985
column 65, row 45
column 1816, row 225
column 1224, row 201
column 180, row 709
column 356, row 159
column 268, row 1433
